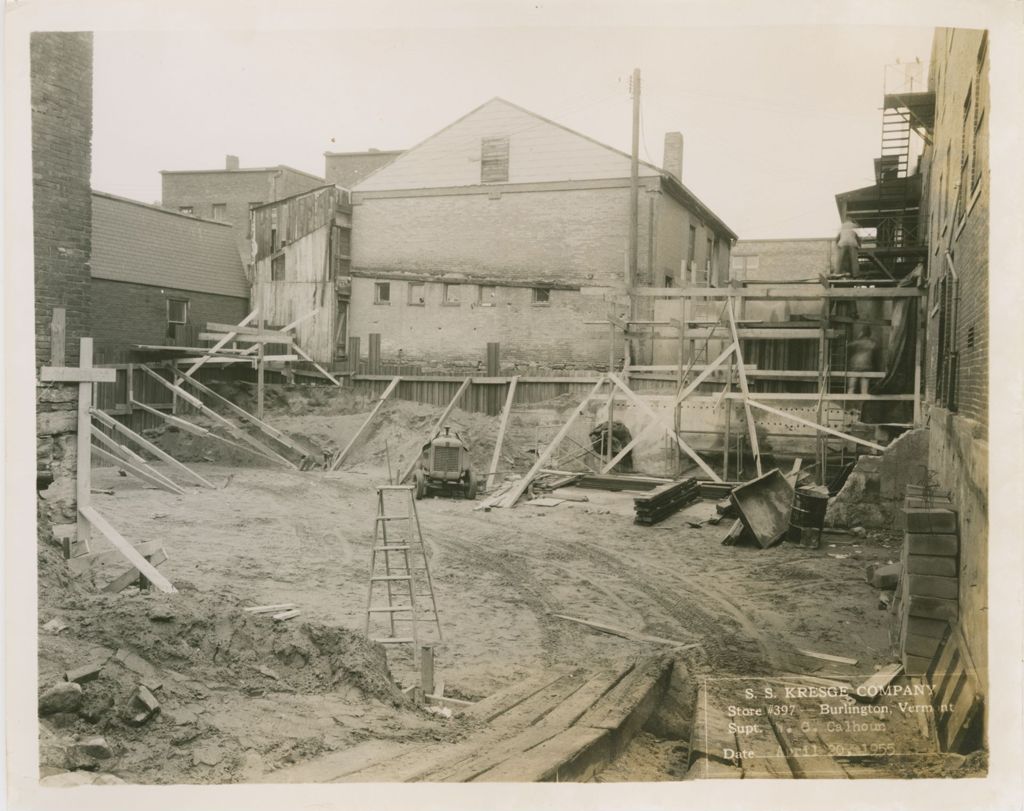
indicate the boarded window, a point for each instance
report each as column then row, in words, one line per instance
column 488, row 295
column 417, row 294
column 381, row 292
column 742, row 268
column 277, row 266
column 494, row 160
column 177, row 311
column 541, row 295
column 220, row 211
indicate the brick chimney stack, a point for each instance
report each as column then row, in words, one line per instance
column 231, row 162
column 673, row 160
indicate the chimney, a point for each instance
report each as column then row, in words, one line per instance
column 673, row 161
column 231, row 161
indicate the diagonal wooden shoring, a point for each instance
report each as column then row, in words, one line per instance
column 751, row 427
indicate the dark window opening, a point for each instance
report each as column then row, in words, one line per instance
column 541, row 295
column 382, row 293
column 277, row 269
column 494, row 160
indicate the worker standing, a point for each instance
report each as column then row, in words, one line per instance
column 849, row 242
column 862, row 359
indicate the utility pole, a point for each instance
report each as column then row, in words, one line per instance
column 634, row 203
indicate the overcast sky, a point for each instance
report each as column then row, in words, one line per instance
column 776, row 121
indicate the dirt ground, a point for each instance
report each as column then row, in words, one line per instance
column 269, row 535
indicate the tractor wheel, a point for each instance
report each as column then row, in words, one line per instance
column 420, row 483
column 469, row 488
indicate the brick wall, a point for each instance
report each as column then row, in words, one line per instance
column 61, row 69
column 236, row 189
column 124, row 314
column 551, row 335
column 958, row 221
column 61, row 93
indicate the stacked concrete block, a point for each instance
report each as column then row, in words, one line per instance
column 929, row 588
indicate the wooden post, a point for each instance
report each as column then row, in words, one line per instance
column 427, row 669
column 83, row 474
column 496, row 456
column 374, row 356
column 919, row 314
column 58, row 323
column 353, row 355
column 492, row 393
column 728, row 422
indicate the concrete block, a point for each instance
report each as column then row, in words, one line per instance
column 886, row 577
column 923, row 646
column 932, row 564
column 927, row 544
column 931, row 520
column 87, row 673
column 922, row 626
column 925, row 585
column 933, row 608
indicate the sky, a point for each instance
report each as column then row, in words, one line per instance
column 776, row 120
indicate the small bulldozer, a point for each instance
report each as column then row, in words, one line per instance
column 444, row 467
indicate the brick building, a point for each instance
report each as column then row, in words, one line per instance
column 955, row 171
column 61, row 97
column 346, row 169
column 159, row 276
column 229, row 194
column 507, row 227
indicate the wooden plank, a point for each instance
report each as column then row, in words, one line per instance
column 802, row 764
column 264, row 338
column 489, row 708
column 520, row 486
column 366, row 424
column 83, row 441
column 142, row 442
column 641, row 404
column 137, row 560
column 219, row 345
column 126, row 579
column 770, row 292
column 506, row 411
column 555, row 760
column 627, row 634
column 744, row 390
column 240, row 330
column 139, row 471
column 316, row 365
column 269, row 609
column 869, row 689
column 809, row 424
column 826, row 657
column 58, row 333
column 83, row 563
column 662, row 423
column 77, row 374
column 710, row 733
column 437, row 427
column 197, row 430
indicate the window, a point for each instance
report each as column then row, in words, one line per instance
column 220, row 211
column 494, row 160
column 185, row 210
column 274, row 244
column 669, row 281
column 451, row 294
column 488, row 295
column 177, row 311
column 742, row 268
column 541, row 295
column 966, row 148
column 691, row 251
column 417, row 294
column 382, row 292
column 277, row 269
column 709, row 259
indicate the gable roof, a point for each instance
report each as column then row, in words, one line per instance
column 554, row 152
column 242, row 170
column 145, row 244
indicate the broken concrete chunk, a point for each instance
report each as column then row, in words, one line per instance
column 148, row 704
column 95, row 748
column 266, row 671
column 85, row 674
column 161, row 615
column 207, row 755
column 63, row 697
column 55, row 626
column 135, row 662
column 886, row 577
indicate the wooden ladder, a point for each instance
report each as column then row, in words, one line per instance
column 399, row 563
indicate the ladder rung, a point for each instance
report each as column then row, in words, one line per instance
column 390, row 610
column 394, row 517
column 391, row 548
column 391, row 577
column 395, row 487
column 394, row 640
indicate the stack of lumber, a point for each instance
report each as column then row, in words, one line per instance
column 616, row 482
column 661, row 502
column 929, row 588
